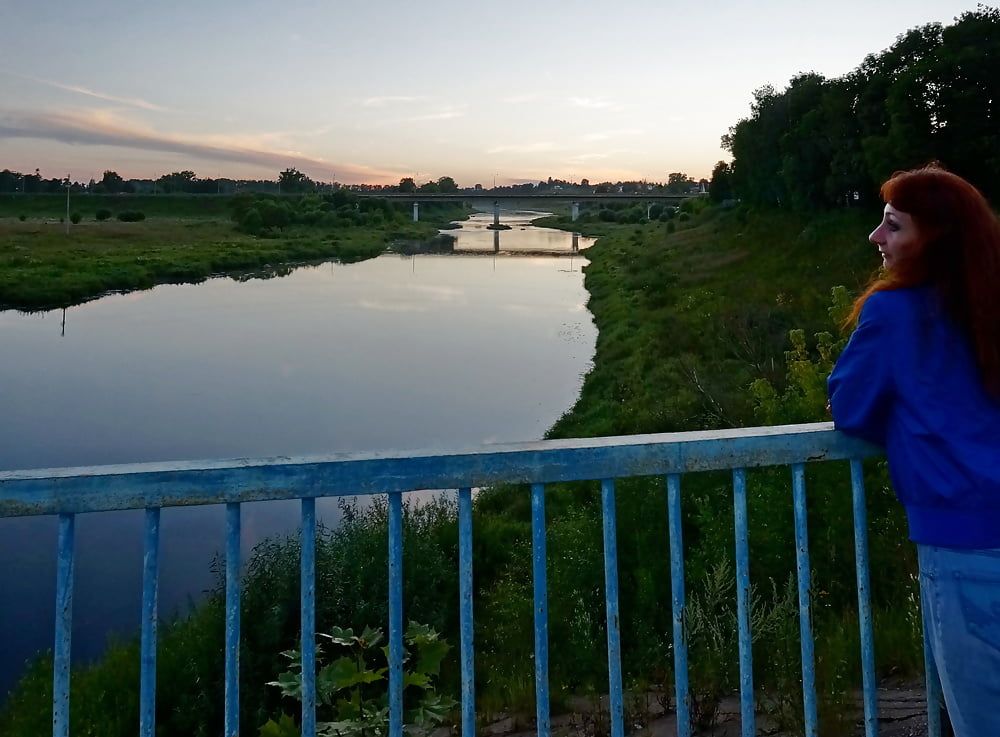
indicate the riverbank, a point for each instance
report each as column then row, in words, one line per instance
column 180, row 240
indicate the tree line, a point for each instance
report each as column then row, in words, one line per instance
column 821, row 143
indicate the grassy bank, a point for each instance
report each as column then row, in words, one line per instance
column 181, row 239
column 688, row 318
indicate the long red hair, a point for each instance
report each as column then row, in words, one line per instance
column 959, row 255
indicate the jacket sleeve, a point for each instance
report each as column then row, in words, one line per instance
column 861, row 386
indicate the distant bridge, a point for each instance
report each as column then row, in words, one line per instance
column 417, row 197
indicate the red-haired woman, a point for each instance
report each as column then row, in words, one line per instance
column 921, row 377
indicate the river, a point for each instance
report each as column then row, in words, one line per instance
column 487, row 344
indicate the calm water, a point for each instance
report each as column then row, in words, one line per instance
column 429, row 351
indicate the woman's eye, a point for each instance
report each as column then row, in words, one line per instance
column 893, row 228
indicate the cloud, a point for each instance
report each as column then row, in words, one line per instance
column 519, row 99
column 605, row 135
column 100, row 128
column 522, row 148
column 383, row 100
column 446, row 114
column 589, row 157
column 136, row 102
column 594, row 103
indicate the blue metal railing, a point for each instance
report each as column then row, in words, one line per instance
column 151, row 486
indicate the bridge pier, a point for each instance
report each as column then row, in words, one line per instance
column 496, row 212
column 416, row 212
column 576, row 243
column 496, row 241
column 649, row 209
column 575, row 210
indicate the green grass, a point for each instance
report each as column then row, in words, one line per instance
column 43, row 267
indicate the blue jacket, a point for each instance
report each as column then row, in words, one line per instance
column 908, row 381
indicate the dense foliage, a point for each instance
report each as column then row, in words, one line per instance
column 933, row 95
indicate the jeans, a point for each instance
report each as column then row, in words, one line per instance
column 960, row 597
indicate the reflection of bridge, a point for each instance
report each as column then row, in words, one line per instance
column 575, row 199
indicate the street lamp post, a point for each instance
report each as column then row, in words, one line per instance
column 67, row 204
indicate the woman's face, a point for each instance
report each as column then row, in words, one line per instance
column 897, row 236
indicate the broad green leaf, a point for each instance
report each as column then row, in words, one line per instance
column 284, row 727
column 429, row 656
column 289, row 683
column 421, row 680
column 371, row 637
column 341, row 636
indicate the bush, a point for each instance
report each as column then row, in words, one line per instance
column 131, row 216
column 671, row 227
column 102, row 214
column 22, row 218
column 684, row 217
column 75, row 218
column 251, row 221
column 607, row 215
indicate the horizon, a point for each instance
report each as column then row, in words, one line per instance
column 391, row 90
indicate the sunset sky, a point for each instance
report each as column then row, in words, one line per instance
column 375, row 91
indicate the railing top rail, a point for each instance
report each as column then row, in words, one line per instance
column 136, row 486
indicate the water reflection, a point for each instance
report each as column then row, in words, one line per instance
column 382, row 354
column 476, row 236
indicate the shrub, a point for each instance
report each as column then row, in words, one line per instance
column 131, row 216
column 102, row 214
column 671, row 227
column 684, row 217
column 351, row 691
column 75, row 218
column 607, row 215
column 251, row 221
column 22, row 218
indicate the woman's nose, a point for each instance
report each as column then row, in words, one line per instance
column 876, row 236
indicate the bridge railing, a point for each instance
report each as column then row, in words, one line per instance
column 152, row 486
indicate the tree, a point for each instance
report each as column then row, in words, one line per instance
column 721, row 186
column 111, row 182
column 292, row 180
column 447, row 184
column 407, row 185
column 178, row 181
column 679, row 183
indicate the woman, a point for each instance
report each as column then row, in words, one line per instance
column 921, row 377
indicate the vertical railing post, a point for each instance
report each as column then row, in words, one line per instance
column 396, row 614
column 307, row 612
column 543, row 727
column 61, row 660
column 678, row 605
column 611, row 602
column 465, row 612
column 147, row 642
column 864, row 598
column 805, row 595
column 232, row 718
column 747, row 715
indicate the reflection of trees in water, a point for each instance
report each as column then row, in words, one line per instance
column 265, row 272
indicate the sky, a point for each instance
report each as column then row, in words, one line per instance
column 378, row 90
